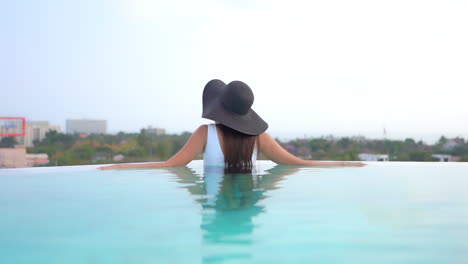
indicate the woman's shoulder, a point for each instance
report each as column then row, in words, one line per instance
column 265, row 136
column 200, row 134
column 264, row 139
column 202, row 129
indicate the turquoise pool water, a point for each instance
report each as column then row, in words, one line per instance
column 381, row 213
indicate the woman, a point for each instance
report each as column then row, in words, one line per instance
column 235, row 138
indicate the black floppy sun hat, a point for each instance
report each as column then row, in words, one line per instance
column 231, row 105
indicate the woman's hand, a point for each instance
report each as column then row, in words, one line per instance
column 111, row 167
column 354, row 164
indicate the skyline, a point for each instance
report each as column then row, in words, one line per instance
column 426, row 138
column 315, row 68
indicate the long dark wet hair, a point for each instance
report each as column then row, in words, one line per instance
column 237, row 148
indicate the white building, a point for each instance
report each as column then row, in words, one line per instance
column 445, row 157
column 36, row 131
column 154, row 130
column 86, row 126
column 373, row 157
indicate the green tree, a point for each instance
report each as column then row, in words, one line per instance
column 420, row 155
column 144, row 141
column 83, row 153
column 165, row 149
column 8, row 142
column 464, row 158
column 442, row 140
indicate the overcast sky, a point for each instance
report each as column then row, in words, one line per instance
column 316, row 67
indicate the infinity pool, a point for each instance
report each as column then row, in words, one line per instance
column 381, row 213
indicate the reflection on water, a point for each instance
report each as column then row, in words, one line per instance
column 230, row 202
column 382, row 213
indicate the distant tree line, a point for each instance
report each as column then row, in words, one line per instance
column 348, row 148
column 67, row 149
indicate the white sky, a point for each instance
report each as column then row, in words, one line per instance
column 316, row 67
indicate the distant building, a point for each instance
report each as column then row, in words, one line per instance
column 118, row 157
column 86, row 126
column 373, row 157
column 35, row 131
column 37, row 159
column 358, row 138
column 12, row 127
column 452, row 143
column 445, row 157
column 18, row 158
column 13, row 157
column 100, row 156
column 154, row 130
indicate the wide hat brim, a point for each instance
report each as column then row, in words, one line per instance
column 250, row 123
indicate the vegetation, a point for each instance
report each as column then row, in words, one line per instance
column 65, row 149
column 330, row 148
column 7, row 142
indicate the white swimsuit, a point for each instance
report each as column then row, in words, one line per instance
column 213, row 153
column 213, row 160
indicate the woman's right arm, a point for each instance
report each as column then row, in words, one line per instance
column 273, row 150
column 189, row 151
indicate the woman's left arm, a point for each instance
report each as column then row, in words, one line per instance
column 189, row 151
column 278, row 154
